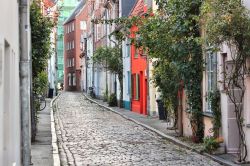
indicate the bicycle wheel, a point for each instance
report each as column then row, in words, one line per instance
column 42, row 103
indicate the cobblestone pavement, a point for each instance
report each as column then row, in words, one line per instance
column 90, row 135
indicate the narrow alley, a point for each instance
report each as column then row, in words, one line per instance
column 90, row 135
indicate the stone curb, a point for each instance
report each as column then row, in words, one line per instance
column 170, row 138
column 55, row 151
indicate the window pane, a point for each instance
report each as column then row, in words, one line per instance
column 137, row 87
column 74, row 79
column 128, row 84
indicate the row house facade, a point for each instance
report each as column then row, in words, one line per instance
column 65, row 9
column 73, row 29
column 139, row 79
column 125, row 8
column 104, row 9
column 96, row 36
column 217, row 66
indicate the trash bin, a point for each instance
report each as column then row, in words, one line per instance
column 51, row 93
column 161, row 110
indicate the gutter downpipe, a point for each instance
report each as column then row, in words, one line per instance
column 25, row 80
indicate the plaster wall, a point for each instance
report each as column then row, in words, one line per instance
column 126, row 75
column 10, row 138
column 208, row 125
column 187, row 130
column 153, row 107
column 247, row 114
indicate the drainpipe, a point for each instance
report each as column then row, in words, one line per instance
column 25, row 80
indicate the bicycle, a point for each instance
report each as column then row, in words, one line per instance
column 42, row 101
column 92, row 92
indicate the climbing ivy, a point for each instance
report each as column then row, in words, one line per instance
column 214, row 98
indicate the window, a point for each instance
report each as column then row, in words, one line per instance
column 69, row 79
column 83, row 25
column 136, row 52
column 211, row 71
column 128, row 83
column 136, row 86
column 73, row 26
column 73, row 44
column 73, row 61
column 128, row 47
column 74, row 79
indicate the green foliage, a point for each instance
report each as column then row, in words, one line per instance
column 210, row 144
column 110, row 58
column 41, row 82
column 40, row 36
column 216, row 109
column 169, row 88
column 173, row 35
column 112, row 100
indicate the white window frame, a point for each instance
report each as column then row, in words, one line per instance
column 211, row 75
column 69, row 79
column 73, row 27
column 74, row 79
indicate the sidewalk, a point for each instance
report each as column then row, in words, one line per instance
column 41, row 149
column 161, row 128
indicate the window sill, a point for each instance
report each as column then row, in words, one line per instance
column 208, row 114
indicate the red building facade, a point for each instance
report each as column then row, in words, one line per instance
column 74, row 28
column 139, row 80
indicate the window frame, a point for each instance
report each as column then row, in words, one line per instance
column 211, row 77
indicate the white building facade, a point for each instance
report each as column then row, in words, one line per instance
column 10, row 114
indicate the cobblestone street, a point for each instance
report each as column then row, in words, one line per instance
column 90, row 135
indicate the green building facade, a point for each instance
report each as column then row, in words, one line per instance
column 65, row 8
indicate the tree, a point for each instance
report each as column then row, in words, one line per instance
column 40, row 37
column 111, row 58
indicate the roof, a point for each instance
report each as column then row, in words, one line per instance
column 48, row 3
column 138, row 8
column 75, row 11
column 127, row 6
